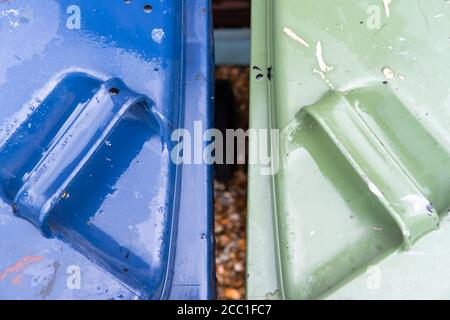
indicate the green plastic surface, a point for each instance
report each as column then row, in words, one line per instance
column 360, row 91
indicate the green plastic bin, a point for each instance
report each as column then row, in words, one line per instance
column 358, row 205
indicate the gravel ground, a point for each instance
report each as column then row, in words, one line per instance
column 231, row 203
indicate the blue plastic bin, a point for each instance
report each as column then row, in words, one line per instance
column 91, row 204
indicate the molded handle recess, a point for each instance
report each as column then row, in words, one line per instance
column 385, row 177
column 81, row 135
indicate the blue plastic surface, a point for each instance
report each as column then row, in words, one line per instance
column 91, row 206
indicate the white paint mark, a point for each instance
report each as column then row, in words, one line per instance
column 416, row 203
column 388, row 73
column 158, row 35
column 386, row 7
column 374, row 189
column 322, row 64
column 401, row 77
column 324, row 78
column 294, row 36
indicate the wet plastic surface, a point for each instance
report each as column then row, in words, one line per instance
column 359, row 92
column 88, row 106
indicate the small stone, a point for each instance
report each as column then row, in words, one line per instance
column 232, row 294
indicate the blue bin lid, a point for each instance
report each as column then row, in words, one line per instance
column 91, row 205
